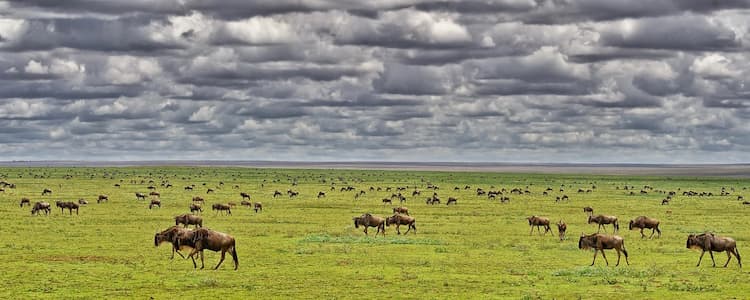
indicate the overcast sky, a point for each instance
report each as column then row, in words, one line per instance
column 652, row 81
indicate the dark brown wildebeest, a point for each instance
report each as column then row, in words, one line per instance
column 604, row 220
column 387, row 201
column 117, row 185
column 140, row 196
column 188, row 219
column 746, row 202
column 538, row 222
column 739, row 198
column 198, row 199
column 151, row 187
column 154, row 202
column 368, row 220
column 82, row 202
column 664, row 201
column 218, row 207
column 179, row 237
column 232, row 204
column 276, row 193
column 69, row 205
column 257, row 206
column 588, row 210
column 599, row 242
column 399, row 220
column 643, row 222
column 401, row 210
column 246, row 203
column 102, row 198
column 40, row 206
column 156, row 194
column 451, row 200
column 245, row 195
column 710, row 242
column 292, row 194
column 194, row 207
column 25, row 201
column 323, row 194
column 561, row 228
column 208, row 191
column 46, row 192
column 215, row 241
column 188, row 188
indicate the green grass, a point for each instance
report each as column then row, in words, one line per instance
column 307, row 247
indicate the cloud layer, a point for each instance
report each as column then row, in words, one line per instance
column 491, row 80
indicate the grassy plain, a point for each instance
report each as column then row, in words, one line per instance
column 306, row 247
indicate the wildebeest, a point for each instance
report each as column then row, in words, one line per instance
column 399, row 220
column 69, row 205
column 155, row 194
column 604, row 220
column 25, row 201
column 218, row 207
column 538, row 222
column 82, row 202
column 46, row 192
column 246, row 203
column 188, row 219
column 215, row 241
column 643, row 222
column 257, row 206
column 387, row 201
column 276, row 194
column 321, row 194
column 188, row 188
column 600, row 242
column 561, row 228
column 450, row 201
column 194, row 207
column 140, row 196
column 154, row 202
column 588, row 210
column 177, row 236
column 208, row 191
column 198, row 199
column 367, row 220
column 245, row 195
column 664, row 201
column 102, row 198
column 710, row 242
column 40, row 206
column 401, row 210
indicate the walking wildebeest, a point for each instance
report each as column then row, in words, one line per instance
column 195, row 208
column 188, row 219
column 43, row 206
column 401, row 210
column 561, row 228
column 140, row 196
column 218, row 207
column 588, row 210
column 538, row 222
column 399, row 220
column 102, row 198
column 643, row 222
column 600, row 242
column 258, row 207
column 710, row 242
column 46, row 192
column 604, row 220
column 177, row 236
column 154, row 202
column 215, row 241
column 368, row 220
column 451, row 200
column 25, row 201
column 69, row 205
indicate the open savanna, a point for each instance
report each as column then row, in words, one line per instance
column 305, row 247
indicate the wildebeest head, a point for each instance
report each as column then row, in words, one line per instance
column 586, row 241
column 697, row 241
column 630, row 225
column 356, row 221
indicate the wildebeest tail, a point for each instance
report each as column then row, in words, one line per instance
column 234, row 256
column 624, row 250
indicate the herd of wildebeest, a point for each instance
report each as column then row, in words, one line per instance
column 201, row 238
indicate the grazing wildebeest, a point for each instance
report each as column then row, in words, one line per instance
column 258, row 206
column 292, row 193
column 232, row 204
column 643, row 222
column 215, row 241
column 25, row 201
column 188, row 219
column 600, row 242
column 561, row 228
column 198, row 199
column 195, row 208
column 82, row 202
column 46, row 192
column 399, row 220
column 368, row 220
column 218, row 207
column 245, row 195
column 156, row 194
column 69, row 205
column 538, row 222
column 102, row 198
column 208, row 191
column 588, row 210
column 40, row 206
column 450, row 201
column 276, row 194
column 664, row 201
column 179, row 237
column 154, row 202
column 246, row 203
column 401, row 210
column 387, row 200
column 321, row 194
column 604, row 220
column 710, row 242
column 140, row 196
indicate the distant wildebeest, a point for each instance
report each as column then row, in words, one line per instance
column 69, row 205
column 643, row 222
column 140, row 196
column 368, row 220
column 82, row 202
column 415, row 193
column 451, row 200
column 292, row 194
column 26, row 201
column 178, row 237
column 215, row 241
column 40, row 206
column 398, row 220
column 321, row 194
column 276, row 194
column 151, row 187
column 188, row 188
column 218, row 207
column 246, row 203
column 208, row 191
column 604, row 220
column 401, row 210
column 155, row 194
column 198, row 199
column 46, row 192
column 257, row 206
column 117, row 185
column 232, row 204
column 664, row 201
column 600, row 242
column 710, row 242
column 538, row 222
column 154, row 202
column 245, row 195
column 194, row 207
column 561, row 228
column 588, row 210
column 739, row 198
column 564, row 198
column 386, row 201
column 102, row 198
column 746, row 202
column 188, row 219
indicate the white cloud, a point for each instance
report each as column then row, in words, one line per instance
column 131, row 69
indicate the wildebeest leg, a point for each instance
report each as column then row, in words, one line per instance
column 642, row 235
column 192, row 256
column 202, row 265
column 712, row 257
column 223, row 252
column 729, row 257
column 653, row 230
column 618, row 257
column 397, row 230
column 366, row 230
column 700, row 258
column 408, row 228
column 605, row 256
column 595, row 253
column 659, row 231
column 532, row 229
